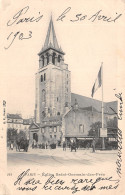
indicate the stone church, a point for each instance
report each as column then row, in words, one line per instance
column 60, row 114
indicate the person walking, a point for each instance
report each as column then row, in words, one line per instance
column 93, row 145
column 64, row 146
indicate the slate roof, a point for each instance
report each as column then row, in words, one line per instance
column 14, row 116
column 51, row 40
column 26, row 122
column 34, row 124
column 84, row 102
column 52, row 118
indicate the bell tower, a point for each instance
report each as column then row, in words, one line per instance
column 53, row 86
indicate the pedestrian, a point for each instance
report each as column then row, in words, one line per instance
column 93, row 145
column 11, row 145
column 64, row 146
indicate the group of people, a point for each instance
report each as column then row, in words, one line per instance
column 73, row 145
column 39, row 145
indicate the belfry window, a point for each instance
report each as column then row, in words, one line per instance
column 42, row 60
column 47, row 55
column 59, row 58
column 53, row 58
column 44, row 76
column 41, row 78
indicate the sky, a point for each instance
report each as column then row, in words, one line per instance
column 86, row 45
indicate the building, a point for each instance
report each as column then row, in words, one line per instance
column 53, row 93
column 15, row 121
column 60, row 114
column 83, row 123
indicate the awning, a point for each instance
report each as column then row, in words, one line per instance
column 87, row 138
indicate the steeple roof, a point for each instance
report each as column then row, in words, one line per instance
column 51, row 40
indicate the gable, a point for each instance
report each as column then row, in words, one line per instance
column 33, row 126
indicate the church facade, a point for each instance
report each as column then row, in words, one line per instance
column 60, row 114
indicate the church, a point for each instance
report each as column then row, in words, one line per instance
column 60, row 114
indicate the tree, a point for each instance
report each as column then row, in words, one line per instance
column 94, row 131
column 11, row 134
column 21, row 134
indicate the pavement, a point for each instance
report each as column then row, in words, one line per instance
column 57, row 157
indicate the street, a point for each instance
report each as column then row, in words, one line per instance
column 58, row 157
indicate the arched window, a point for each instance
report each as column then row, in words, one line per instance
column 41, row 78
column 35, row 137
column 43, row 114
column 43, row 95
column 59, row 58
column 58, row 113
column 42, row 60
column 53, row 58
column 44, row 76
column 47, row 55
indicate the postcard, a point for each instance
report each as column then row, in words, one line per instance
column 62, row 97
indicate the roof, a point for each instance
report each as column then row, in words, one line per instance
column 52, row 118
column 26, row 122
column 34, row 126
column 51, row 40
column 84, row 102
column 14, row 116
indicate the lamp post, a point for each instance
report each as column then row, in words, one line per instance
column 93, row 144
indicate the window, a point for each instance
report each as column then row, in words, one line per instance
column 44, row 76
column 42, row 130
column 59, row 58
column 50, row 136
column 58, row 113
column 54, row 136
column 55, row 130
column 43, row 114
column 41, row 78
column 57, row 99
column 81, row 128
column 58, row 129
column 53, row 58
column 50, row 130
column 43, row 95
column 43, row 60
column 47, row 55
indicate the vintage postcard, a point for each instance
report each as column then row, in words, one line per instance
column 62, row 75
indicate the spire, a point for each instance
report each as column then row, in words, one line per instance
column 51, row 39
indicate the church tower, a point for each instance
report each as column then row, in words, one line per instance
column 53, row 83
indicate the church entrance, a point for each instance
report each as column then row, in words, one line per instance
column 35, row 137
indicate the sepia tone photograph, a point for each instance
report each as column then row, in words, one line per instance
column 62, row 97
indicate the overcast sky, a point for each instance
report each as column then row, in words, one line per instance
column 86, row 44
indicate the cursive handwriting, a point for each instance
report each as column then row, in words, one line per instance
column 19, row 18
column 16, row 18
column 119, row 116
column 119, row 154
column 74, row 185
column 119, row 96
column 98, row 16
column 21, row 37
